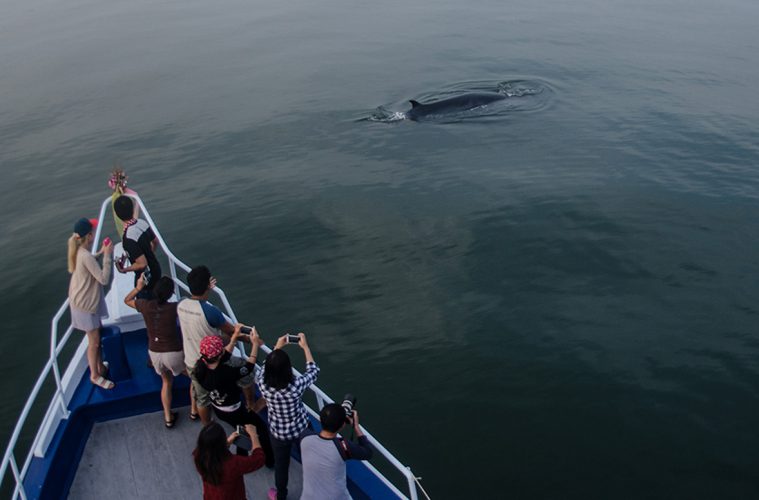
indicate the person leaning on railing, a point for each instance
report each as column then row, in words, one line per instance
column 86, row 296
column 221, row 472
column 283, row 393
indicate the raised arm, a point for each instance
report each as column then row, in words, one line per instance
column 103, row 276
column 306, row 350
column 130, row 298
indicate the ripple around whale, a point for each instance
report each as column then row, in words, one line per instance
column 522, row 95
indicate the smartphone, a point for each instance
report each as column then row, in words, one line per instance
column 245, row 329
column 293, row 339
column 243, row 441
column 107, row 241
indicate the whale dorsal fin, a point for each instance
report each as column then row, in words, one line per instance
column 414, row 103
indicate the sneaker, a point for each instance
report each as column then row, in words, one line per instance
column 272, row 494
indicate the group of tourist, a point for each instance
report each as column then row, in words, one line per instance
column 194, row 338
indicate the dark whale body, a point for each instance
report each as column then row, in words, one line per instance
column 462, row 102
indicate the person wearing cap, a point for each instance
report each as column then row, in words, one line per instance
column 199, row 318
column 224, row 376
column 86, row 296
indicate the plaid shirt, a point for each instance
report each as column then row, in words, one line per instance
column 287, row 415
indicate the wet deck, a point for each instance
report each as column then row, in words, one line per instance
column 137, row 458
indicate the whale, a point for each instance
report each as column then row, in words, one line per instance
column 463, row 102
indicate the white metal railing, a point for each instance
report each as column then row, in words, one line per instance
column 58, row 407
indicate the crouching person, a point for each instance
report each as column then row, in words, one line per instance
column 222, row 472
column 323, row 455
column 224, row 377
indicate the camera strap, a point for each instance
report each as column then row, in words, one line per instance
column 342, row 448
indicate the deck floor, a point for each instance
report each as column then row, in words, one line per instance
column 137, row 458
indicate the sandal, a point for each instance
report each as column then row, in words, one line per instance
column 103, row 383
column 194, row 416
column 170, row 423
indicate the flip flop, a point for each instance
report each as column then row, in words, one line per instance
column 170, row 423
column 194, row 416
column 103, row 383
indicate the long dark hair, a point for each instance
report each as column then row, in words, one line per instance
column 211, row 452
column 278, row 371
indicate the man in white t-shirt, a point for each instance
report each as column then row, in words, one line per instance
column 198, row 318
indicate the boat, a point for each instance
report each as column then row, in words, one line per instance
column 93, row 443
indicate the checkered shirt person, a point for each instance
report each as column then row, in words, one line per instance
column 287, row 415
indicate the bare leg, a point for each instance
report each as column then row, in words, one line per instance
column 205, row 414
column 93, row 354
column 168, row 379
column 193, row 404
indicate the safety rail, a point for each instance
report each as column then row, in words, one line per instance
column 58, row 407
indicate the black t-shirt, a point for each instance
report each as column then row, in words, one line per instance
column 136, row 242
column 223, row 383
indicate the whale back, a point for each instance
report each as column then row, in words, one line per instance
column 461, row 102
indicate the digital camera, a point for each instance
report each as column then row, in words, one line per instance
column 349, row 401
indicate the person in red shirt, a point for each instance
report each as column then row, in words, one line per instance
column 220, row 470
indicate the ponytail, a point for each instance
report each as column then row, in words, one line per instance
column 75, row 241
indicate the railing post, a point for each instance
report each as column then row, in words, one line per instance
column 411, row 484
column 173, row 269
column 56, row 372
column 19, row 490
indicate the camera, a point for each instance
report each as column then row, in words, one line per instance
column 349, row 401
column 243, row 441
column 146, row 276
column 293, row 339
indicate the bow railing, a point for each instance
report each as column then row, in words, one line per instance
column 64, row 386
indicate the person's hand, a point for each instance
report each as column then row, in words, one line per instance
column 281, row 342
column 238, row 332
column 251, row 430
column 255, row 339
column 107, row 246
column 231, row 438
column 354, row 420
column 120, row 265
column 212, row 283
column 302, row 342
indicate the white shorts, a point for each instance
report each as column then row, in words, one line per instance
column 167, row 362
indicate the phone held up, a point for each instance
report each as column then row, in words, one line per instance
column 293, row 339
column 242, row 440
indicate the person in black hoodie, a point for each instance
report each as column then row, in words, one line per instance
column 224, row 376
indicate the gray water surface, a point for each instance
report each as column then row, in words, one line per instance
column 552, row 299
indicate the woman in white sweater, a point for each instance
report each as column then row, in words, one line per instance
column 86, row 296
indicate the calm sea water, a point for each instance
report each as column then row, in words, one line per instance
column 554, row 298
